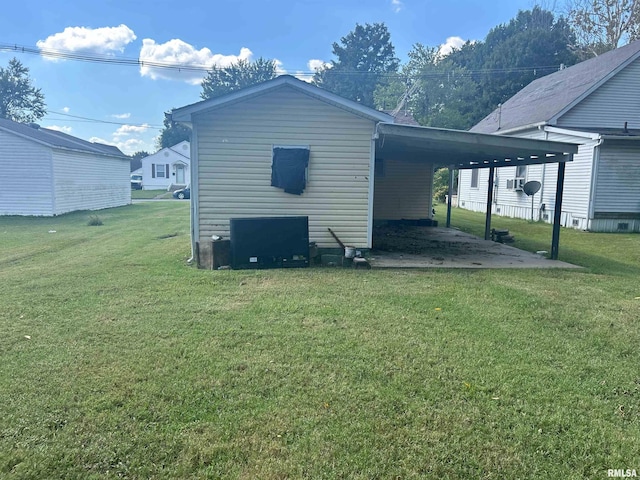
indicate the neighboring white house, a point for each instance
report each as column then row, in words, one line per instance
column 341, row 151
column 167, row 168
column 594, row 104
column 46, row 172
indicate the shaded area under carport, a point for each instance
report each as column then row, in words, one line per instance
column 437, row 247
column 459, row 150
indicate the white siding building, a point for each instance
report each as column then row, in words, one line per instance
column 595, row 105
column 48, row 173
column 167, row 168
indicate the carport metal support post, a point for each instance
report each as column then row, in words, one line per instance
column 487, row 222
column 449, row 197
column 557, row 213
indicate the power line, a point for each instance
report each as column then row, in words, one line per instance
column 189, row 67
column 96, row 120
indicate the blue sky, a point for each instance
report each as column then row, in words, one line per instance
column 126, row 102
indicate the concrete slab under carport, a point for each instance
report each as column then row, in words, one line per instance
column 437, row 247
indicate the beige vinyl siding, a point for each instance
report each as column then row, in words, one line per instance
column 84, row 181
column 27, row 178
column 618, row 187
column 403, row 191
column 234, row 165
column 615, row 102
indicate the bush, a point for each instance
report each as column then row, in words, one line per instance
column 94, row 221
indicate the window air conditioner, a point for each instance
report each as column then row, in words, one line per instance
column 518, row 184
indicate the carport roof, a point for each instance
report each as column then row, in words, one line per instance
column 466, row 150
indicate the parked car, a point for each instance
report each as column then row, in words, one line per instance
column 185, row 193
column 136, row 181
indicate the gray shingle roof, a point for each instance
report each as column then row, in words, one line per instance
column 57, row 139
column 546, row 97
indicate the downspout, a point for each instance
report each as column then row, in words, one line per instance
column 193, row 203
column 372, row 174
column 544, row 173
column 594, row 175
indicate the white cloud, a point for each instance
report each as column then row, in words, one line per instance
column 177, row 52
column 121, row 116
column 452, row 43
column 83, row 39
column 128, row 147
column 59, row 129
column 65, row 109
column 126, row 130
column 314, row 64
column 130, row 139
column 279, row 69
column 397, row 5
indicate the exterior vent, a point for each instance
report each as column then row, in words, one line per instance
column 509, row 184
column 497, row 209
column 545, row 216
column 576, row 222
column 623, row 226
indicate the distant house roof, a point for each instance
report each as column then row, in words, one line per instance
column 403, row 118
column 55, row 139
column 547, row 98
column 183, row 114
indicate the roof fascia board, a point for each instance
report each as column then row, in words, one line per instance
column 472, row 138
column 509, row 131
column 594, row 87
column 58, row 147
column 184, row 114
column 618, row 138
column 575, row 133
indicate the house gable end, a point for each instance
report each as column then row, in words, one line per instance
column 185, row 114
column 610, row 105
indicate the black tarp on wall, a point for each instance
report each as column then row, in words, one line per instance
column 288, row 170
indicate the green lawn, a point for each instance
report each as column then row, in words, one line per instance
column 140, row 366
column 147, row 194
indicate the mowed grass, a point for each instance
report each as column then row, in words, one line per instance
column 148, row 194
column 140, row 366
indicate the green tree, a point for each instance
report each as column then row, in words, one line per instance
column 437, row 92
column 441, row 184
column 364, row 59
column 136, row 159
column 602, row 25
column 531, row 45
column 19, row 100
column 172, row 133
column 222, row 80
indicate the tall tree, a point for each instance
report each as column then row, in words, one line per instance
column 136, row 159
column 20, row 101
column 172, row 133
column 222, row 80
column 437, row 92
column 531, row 45
column 602, row 25
column 364, row 58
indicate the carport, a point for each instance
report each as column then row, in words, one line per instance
column 458, row 150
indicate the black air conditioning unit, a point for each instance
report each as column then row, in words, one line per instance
column 269, row 242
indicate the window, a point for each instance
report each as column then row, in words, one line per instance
column 474, row 178
column 521, row 171
column 289, row 168
column 159, row 170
